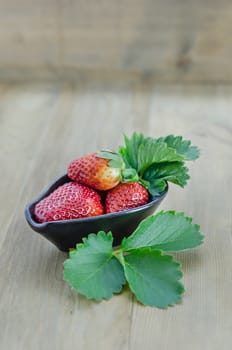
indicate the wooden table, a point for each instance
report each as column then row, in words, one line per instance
column 42, row 128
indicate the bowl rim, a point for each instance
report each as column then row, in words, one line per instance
column 55, row 184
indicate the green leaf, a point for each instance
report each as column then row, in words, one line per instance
column 156, row 187
column 158, row 174
column 174, row 172
column 93, row 270
column 168, row 231
column 181, row 146
column 108, row 155
column 130, row 175
column 144, row 154
column 115, row 161
column 114, row 164
column 153, row 277
column 153, row 152
column 140, row 152
column 129, row 152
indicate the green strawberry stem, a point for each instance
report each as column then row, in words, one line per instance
column 118, row 253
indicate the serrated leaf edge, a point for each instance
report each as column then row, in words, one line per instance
column 86, row 244
column 178, row 266
column 189, row 142
column 172, row 212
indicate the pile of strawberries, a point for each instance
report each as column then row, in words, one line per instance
column 95, row 188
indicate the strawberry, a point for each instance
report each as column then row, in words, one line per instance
column 69, row 201
column 126, row 196
column 95, row 172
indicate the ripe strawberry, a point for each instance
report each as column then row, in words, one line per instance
column 95, row 172
column 126, row 196
column 69, row 201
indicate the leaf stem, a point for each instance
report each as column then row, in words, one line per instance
column 118, row 253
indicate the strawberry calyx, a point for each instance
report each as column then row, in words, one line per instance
column 116, row 161
column 154, row 162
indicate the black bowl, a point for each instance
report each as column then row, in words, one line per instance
column 65, row 234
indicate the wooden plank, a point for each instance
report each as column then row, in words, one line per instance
column 54, row 124
column 203, row 320
column 22, row 111
column 29, row 36
column 189, row 41
column 62, row 131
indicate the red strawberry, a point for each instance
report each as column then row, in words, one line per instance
column 69, row 201
column 126, row 196
column 95, row 172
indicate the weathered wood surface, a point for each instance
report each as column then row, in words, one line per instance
column 42, row 128
column 165, row 40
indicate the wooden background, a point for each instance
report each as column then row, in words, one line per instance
column 155, row 39
column 43, row 127
column 113, row 67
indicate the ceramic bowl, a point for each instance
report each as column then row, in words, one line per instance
column 65, row 234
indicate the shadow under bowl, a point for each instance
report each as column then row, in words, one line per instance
column 65, row 234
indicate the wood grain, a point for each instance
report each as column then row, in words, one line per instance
column 42, row 128
column 165, row 40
